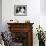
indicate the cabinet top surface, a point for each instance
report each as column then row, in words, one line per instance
column 19, row 23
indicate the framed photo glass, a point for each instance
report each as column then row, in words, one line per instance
column 20, row 10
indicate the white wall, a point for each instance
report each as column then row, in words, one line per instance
column 33, row 10
column 43, row 14
column 43, row 6
column 33, row 14
column 0, row 15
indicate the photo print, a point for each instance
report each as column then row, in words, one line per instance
column 20, row 10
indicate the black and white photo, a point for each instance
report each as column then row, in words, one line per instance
column 20, row 10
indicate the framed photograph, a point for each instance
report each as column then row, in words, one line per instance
column 20, row 10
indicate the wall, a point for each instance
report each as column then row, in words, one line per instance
column 0, row 15
column 33, row 10
column 34, row 14
column 43, row 6
column 43, row 14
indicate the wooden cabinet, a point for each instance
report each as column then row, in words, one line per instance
column 22, row 33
